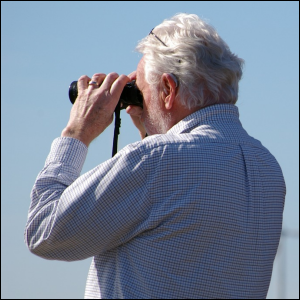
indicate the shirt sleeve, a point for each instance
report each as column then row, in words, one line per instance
column 74, row 217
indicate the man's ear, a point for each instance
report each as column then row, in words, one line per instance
column 169, row 84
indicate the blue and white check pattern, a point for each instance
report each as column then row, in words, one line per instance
column 194, row 213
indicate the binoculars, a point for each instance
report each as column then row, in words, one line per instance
column 131, row 95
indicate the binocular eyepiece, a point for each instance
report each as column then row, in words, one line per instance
column 131, row 95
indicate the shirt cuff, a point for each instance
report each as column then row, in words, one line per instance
column 68, row 151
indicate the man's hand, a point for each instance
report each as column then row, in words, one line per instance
column 135, row 112
column 93, row 109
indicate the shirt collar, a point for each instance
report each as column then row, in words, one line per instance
column 207, row 115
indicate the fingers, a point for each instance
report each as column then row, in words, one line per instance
column 134, row 111
column 104, row 86
column 108, row 81
column 112, row 82
column 96, row 81
column 132, row 75
column 118, row 85
column 107, row 89
column 83, row 82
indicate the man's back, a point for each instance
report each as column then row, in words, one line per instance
column 215, row 202
column 194, row 213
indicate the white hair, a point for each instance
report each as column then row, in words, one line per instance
column 192, row 50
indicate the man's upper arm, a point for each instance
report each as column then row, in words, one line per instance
column 99, row 211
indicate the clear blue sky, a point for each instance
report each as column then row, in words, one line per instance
column 46, row 45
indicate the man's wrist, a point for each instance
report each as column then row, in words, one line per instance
column 68, row 132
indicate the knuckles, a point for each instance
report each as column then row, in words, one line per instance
column 112, row 76
column 99, row 75
column 84, row 78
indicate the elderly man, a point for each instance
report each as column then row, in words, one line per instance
column 194, row 210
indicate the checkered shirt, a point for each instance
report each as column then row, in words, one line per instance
column 193, row 213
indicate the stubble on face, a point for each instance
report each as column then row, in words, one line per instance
column 156, row 120
column 153, row 116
